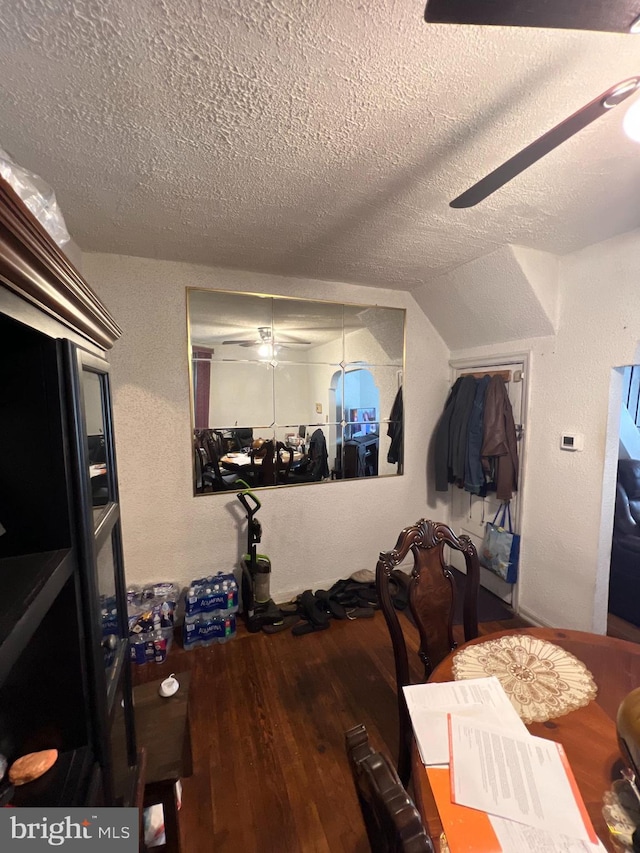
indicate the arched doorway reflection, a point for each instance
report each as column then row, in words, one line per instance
column 356, row 402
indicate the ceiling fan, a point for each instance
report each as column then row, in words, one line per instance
column 265, row 338
column 614, row 16
column 546, row 143
column 607, row 15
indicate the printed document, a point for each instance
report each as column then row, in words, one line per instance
column 472, row 831
column 518, row 838
column 482, row 699
column 522, row 778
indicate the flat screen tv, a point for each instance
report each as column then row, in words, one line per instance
column 363, row 421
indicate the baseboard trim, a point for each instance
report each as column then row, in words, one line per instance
column 535, row 620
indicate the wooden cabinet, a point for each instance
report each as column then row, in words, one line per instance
column 64, row 672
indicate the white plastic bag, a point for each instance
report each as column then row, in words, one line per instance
column 37, row 195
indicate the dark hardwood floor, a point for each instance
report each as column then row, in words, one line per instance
column 617, row 627
column 268, row 715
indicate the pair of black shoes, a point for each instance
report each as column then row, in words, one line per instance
column 345, row 600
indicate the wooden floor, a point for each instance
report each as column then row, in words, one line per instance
column 268, row 716
column 617, row 627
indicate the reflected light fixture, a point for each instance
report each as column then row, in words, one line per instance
column 267, row 350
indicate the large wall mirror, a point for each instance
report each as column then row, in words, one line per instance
column 288, row 391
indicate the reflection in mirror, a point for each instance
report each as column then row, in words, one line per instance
column 92, row 392
column 288, row 391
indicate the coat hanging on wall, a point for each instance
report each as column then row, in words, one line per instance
column 499, row 447
column 475, row 443
column 395, row 431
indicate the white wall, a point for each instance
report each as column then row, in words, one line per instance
column 314, row 534
column 568, row 498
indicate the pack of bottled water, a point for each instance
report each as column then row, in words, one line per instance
column 151, row 612
column 210, row 609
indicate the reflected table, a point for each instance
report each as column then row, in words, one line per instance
column 588, row 733
column 237, row 461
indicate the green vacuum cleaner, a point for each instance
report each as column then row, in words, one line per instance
column 258, row 608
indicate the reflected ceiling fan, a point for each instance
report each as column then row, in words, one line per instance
column 265, row 338
column 606, row 15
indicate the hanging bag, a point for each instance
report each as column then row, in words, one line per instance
column 500, row 549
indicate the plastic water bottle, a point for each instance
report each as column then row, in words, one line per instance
column 190, row 632
column 210, row 607
column 227, row 628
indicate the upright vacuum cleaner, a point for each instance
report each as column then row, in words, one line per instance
column 258, row 607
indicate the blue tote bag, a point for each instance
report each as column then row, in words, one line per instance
column 500, row 549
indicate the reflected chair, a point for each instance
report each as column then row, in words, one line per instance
column 284, row 461
column 431, row 593
column 263, row 466
column 268, row 467
column 353, row 460
column 209, row 475
column 204, row 481
column 391, row 819
column 213, row 442
column 242, row 437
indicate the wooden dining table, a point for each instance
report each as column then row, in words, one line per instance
column 587, row 734
column 236, row 461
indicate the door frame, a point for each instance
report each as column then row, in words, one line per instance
column 486, row 363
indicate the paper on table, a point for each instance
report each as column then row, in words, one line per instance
column 518, row 838
column 482, row 698
column 526, row 779
column 472, row 831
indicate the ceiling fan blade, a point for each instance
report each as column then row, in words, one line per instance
column 546, row 143
column 616, row 16
column 277, row 342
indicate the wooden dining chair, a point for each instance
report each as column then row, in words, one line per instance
column 391, row 819
column 431, row 595
column 283, row 462
column 209, row 475
column 263, row 465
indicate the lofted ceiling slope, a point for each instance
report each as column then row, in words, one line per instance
column 312, row 137
column 508, row 295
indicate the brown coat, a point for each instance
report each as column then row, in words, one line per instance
column 499, row 439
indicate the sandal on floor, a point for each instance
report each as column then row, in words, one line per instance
column 331, row 604
column 353, row 594
column 360, row 613
column 312, row 610
column 303, row 628
column 287, row 621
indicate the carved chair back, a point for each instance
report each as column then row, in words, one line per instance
column 431, row 598
column 391, row 819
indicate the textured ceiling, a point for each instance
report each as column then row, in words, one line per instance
column 310, row 137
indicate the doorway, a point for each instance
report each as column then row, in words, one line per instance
column 357, row 404
column 623, row 608
column 469, row 513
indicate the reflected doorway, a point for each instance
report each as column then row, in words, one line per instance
column 358, row 407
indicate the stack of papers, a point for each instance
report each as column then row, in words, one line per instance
column 498, row 788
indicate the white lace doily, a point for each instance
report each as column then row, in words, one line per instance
column 542, row 680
